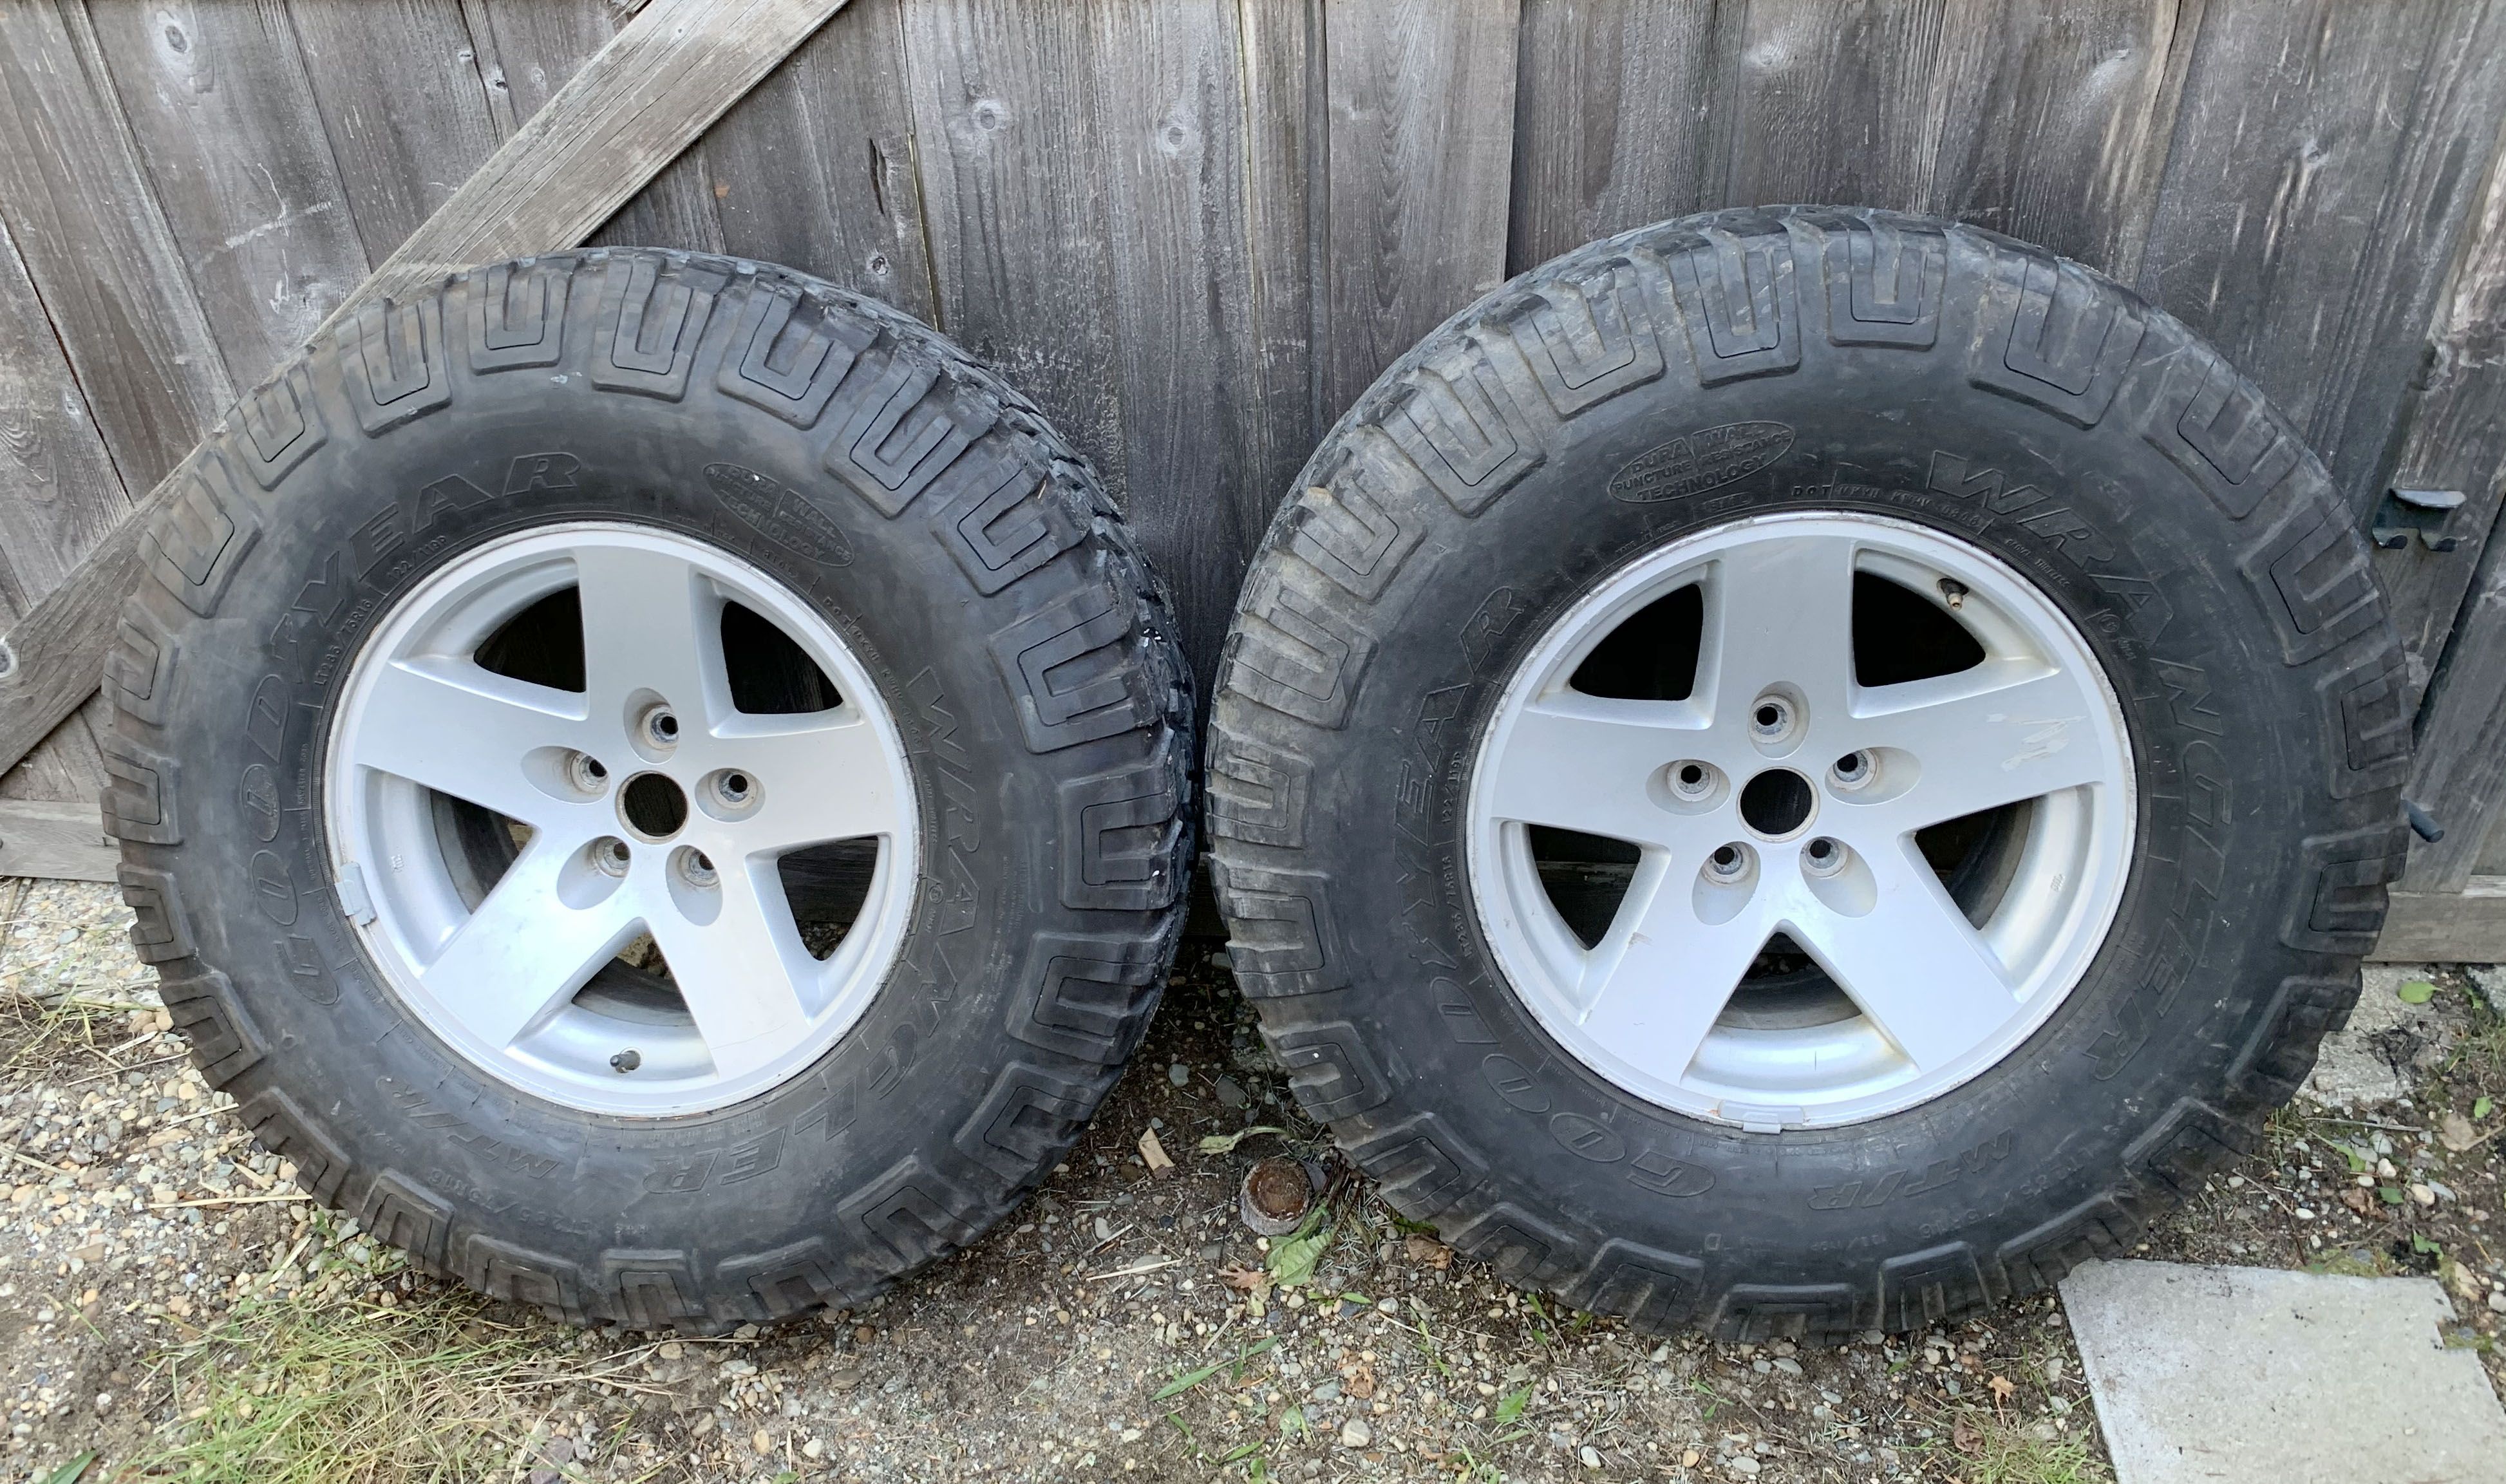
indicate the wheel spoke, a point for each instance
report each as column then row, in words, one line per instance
column 1653, row 985
column 824, row 777
column 524, row 952
column 466, row 732
column 1580, row 762
column 1911, row 962
column 2005, row 731
column 741, row 975
column 1780, row 610
column 652, row 622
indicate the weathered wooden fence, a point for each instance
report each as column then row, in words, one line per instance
column 1195, row 229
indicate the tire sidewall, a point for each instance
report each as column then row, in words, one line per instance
column 809, row 1178
column 1435, row 1072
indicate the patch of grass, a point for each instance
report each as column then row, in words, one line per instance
column 1983, row 1448
column 294, row 1391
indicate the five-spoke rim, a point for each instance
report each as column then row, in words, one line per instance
column 1780, row 799
column 646, row 804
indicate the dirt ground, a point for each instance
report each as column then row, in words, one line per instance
column 168, row 1305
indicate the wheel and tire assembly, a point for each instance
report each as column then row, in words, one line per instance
column 657, row 786
column 1805, row 770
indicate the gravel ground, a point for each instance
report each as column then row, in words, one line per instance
column 168, row 1305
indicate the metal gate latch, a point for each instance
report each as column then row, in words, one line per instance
column 2425, row 511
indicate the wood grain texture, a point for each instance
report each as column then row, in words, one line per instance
column 815, row 168
column 1616, row 122
column 58, row 492
column 1192, row 331
column 1280, row 394
column 224, row 120
column 2045, row 119
column 1012, row 183
column 403, row 105
column 1418, row 119
column 606, row 132
column 57, row 650
column 113, row 280
column 609, row 130
column 2056, row 127
column 530, row 49
column 2325, row 159
column 2456, row 439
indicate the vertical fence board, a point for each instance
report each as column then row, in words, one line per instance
column 59, row 493
column 58, row 496
column 2455, row 440
column 1012, row 179
column 98, row 250
column 403, row 105
column 2324, row 157
column 1281, row 51
column 1615, row 119
column 1169, row 120
column 1837, row 101
column 225, row 125
column 2057, row 125
column 1419, row 123
column 2040, row 118
column 816, row 166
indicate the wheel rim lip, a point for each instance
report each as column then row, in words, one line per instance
column 1515, row 916
column 475, row 592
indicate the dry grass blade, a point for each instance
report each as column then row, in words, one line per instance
column 293, row 1391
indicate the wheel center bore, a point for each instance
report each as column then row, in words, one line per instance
column 654, row 806
column 1777, row 802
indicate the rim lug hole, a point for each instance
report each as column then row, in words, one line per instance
column 1727, row 864
column 1853, row 771
column 585, row 773
column 1823, row 857
column 1773, row 718
column 1693, row 782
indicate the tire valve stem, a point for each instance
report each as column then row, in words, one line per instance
column 1954, row 593
column 627, row 1061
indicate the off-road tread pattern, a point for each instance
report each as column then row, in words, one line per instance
column 795, row 343
column 1716, row 299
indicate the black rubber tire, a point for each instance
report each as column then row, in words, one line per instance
column 923, row 508
column 1887, row 364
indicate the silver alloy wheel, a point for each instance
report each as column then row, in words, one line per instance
column 1783, row 796
column 645, row 804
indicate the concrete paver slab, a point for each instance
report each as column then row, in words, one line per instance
column 2230, row 1375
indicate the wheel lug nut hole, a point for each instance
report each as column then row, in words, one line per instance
column 1692, row 782
column 696, row 868
column 730, row 794
column 610, row 856
column 1727, row 864
column 1823, row 857
column 585, row 772
column 1774, row 718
